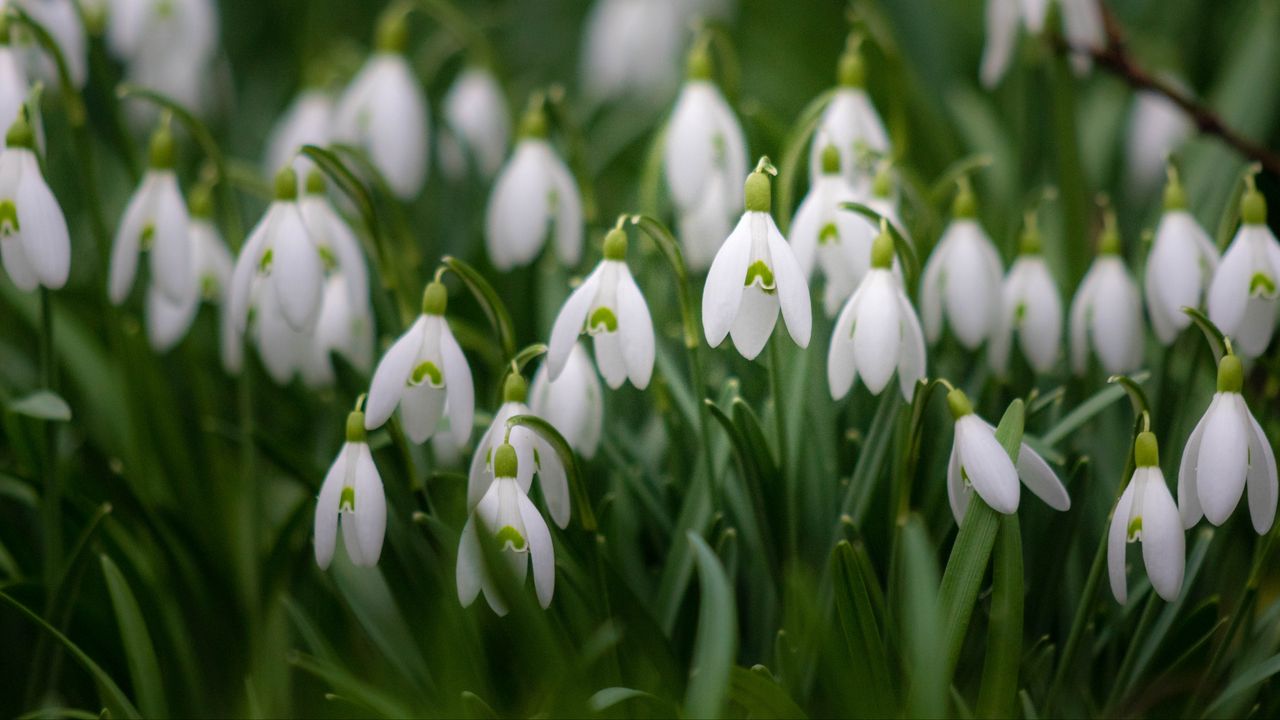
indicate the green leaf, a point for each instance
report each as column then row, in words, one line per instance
column 144, row 668
column 494, row 309
column 670, row 250
column 1244, row 682
column 1215, row 337
column 1086, row 410
column 905, row 250
column 581, row 499
column 715, row 643
column 760, row 695
column 925, row 689
column 999, row 691
column 42, row 405
column 1137, row 397
column 350, row 687
column 794, row 150
column 869, row 673
column 610, row 697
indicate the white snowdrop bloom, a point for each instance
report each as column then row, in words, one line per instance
column 533, row 197
column 1147, row 514
column 979, row 463
column 877, row 332
column 284, row 351
column 754, row 275
column 961, row 283
column 423, row 369
column 477, row 125
column 335, row 241
column 1081, row 23
column 384, row 111
column 62, row 20
column 607, row 306
column 1157, row 127
column 307, row 121
column 345, row 328
column 168, row 321
column 156, row 221
column 705, row 155
column 631, row 47
column 1180, row 265
column 1226, row 452
column 536, row 455
column 34, row 243
column 14, row 85
column 851, row 122
column 1106, row 313
column 1031, row 306
column 281, row 251
column 168, row 46
column 837, row 241
column 510, row 520
column 352, row 497
column 1245, row 289
column 573, row 402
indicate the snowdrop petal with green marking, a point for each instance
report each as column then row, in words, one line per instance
column 352, row 498
column 156, row 221
column 34, row 239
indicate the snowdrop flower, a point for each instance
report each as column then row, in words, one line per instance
column 14, row 85
column 1180, row 265
column 754, row 275
column 607, row 306
column 877, row 332
column 1106, row 313
column 34, row 243
column 352, row 497
column 62, row 20
column 705, row 154
column 1081, row 24
column 335, row 241
column 1157, row 128
column 534, row 196
column 534, row 453
column 1031, row 306
column 978, row 462
column 477, row 125
column 168, row 321
column 384, row 111
column 1243, row 295
column 510, row 519
column 1226, row 452
column 851, row 122
column 961, row 284
column 573, row 402
column 280, row 251
column 307, row 121
column 345, row 328
column 167, row 45
column 1146, row 514
column 156, row 221
column 631, row 47
column 838, row 241
column 423, row 373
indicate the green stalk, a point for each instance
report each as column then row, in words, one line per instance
column 52, row 501
column 1131, row 655
column 1077, row 625
column 780, row 425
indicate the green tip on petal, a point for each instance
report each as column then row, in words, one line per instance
column 435, row 298
column 759, row 192
column 160, row 155
column 602, row 320
column 615, row 245
column 20, row 134
column 8, row 218
column 882, row 249
column 515, row 389
column 958, row 403
column 427, row 372
column 510, row 538
column 355, row 427
column 286, row 184
column 315, row 182
column 830, row 160
column 505, row 464
column 1135, row 528
column 347, row 501
column 1230, row 374
column 1146, row 452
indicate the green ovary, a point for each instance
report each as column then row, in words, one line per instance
column 510, row 538
column 347, row 503
column 427, row 371
column 602, row 319
column 759, row 272
column 1262, row 284
column 828, row 234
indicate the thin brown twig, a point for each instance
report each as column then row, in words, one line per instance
column 1115, row 58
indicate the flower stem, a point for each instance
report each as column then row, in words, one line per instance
column 780, row 422
column 1131, row 655
column 1077, row 625
column 52, row 502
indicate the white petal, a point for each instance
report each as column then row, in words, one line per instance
column 246, row 270
column 541, row 551
column 567, row 213
column 1229, row 290
column 470, row 571
column 636, row 330
column 552, row 480
column 1002, row 33
column 570, row 322
column 842, row 369
column 1117, row 541
column 609, row 358
column 911, row 363
column 957, row 493
column 987, row 465
column 1081, row 308
column 458, row 384
column 478, row 477
column 792, row 290
column 1223, row 461
column 1163, row 542
column 805, row 226
column 1040, row 332
column 689, row 156
column 421, row 408
column 16, row 264
column 371, row 507
column 171, row 245
column 1188, row 487
column 931, row 290
column 124, row 251
column 517, row 215
column 756, row 317
column 1262, row 475
column 297, row 273
column 722, row 294
column 877, row 331
column 391, row 377
column 326, row 527
column 1117, row 318
column 168, row 322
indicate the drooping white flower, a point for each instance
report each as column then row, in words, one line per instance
column 630, row 47
column 533, row 197
column 155, row 221
column 961, row 284
column 34, row 243
column 477, row 125
column 281, row 251
column 1245, row 290
column 535, row 454
column 1157, row 128
column 14, row 84
column 705, row 154
column 1147, row 514
column 1106, row 313
column 877, row 332
column 423, row 369
column 607, row 306
column 307, row 121
column 510, row 520
column 573, row 402
column 1180, row 265
column 754, row 275
column 384, row 111
column 1031, row 306
column 837, row 241
column 168, row 46
column 851, row 122
column 1081, row 23
column 335, row 241
column 168, row 321
column 1226, row 452
column 979, row 463
column 352, row 497
column 345, row 327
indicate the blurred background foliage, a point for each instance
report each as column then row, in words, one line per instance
column 188, row 584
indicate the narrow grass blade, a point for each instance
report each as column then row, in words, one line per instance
column 581, row 499
column 998, row 696
column 715, row 643
column 869, row 672
column 144, row 668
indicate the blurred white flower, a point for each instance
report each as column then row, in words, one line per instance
column 335, row 241
column 420, row 371
column 14, row 84
column 1106, row 313
column 837, row 241
column 1081, row 24
column 345, row 327
column 62, row 20
column 352, row 496
column 851, row 122
column 477, row 125
column 877, row 332
column 1243, row 295
column 510, row 519
column 631, row 47
column 1180, row 266
column 1157, row 127
column 1227, row 451
column 34, row 242
column 961, row 284
column 167, row 320
column 979, row 463
column 155, row 221
column 534, row 196
column 573, row 402
column 167, row 46
column 1031, row 306
column 755, row 274
column 307, row 121
column 607, row 306
column 1147, row 514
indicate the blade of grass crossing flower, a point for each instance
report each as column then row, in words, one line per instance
column 494, row 309
column 715, row 643
column 998, row 696
column 670, row 250
column 945, row 184
column 144, row 668
column 924, row 686
column 869, row 671
column 581, row 499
